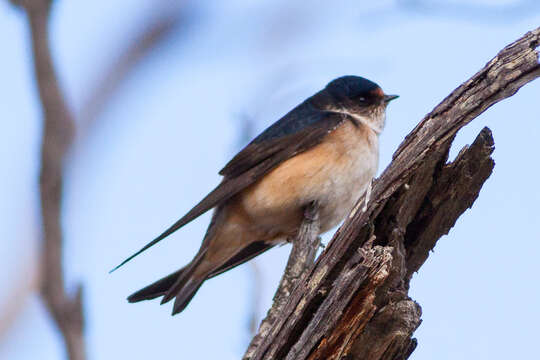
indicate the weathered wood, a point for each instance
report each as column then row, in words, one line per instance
column 301, row 259
column 353, row 303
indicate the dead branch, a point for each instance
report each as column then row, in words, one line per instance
column 354, row 304
column 58, row 132
column 299, row 264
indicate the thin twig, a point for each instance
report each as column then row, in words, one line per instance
column 58, row 129
column 300, row 262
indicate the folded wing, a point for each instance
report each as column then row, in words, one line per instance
column 298, row 131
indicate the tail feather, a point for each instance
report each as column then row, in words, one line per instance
column 184, row 296
column 185, row 278
column 175, row 285
column 156, row 289
column 183, row 284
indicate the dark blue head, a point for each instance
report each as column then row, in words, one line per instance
column 356, row 96
column 358, row 90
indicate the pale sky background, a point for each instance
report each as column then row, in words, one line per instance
column 156, row 149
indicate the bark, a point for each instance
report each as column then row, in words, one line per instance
column 300, row 262
column 353, row 303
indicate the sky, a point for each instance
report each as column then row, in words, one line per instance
column 157, row 146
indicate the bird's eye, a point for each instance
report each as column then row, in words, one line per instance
column 361, row 99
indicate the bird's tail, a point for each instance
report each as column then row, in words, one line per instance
column 156, row 289
column 182, row 285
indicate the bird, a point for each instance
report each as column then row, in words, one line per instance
column 325, row 150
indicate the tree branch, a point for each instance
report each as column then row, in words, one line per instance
column 300, row 262
column 58, row 132
column 353, row 303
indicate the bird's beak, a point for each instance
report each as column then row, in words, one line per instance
column 388, row 98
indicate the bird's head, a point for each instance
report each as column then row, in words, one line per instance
column 358, row 97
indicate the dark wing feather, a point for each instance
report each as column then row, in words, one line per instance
column 298, row 131
column 246, row 254
column 276, row 138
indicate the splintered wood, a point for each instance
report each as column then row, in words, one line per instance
column 353, row 303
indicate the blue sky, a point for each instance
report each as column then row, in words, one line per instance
column 157, row 147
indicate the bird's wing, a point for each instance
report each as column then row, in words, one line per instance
column 298, row 131
column 284, row 134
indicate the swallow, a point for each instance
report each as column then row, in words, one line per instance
column 326, row 150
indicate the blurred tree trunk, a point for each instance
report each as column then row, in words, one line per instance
column 353, row 303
